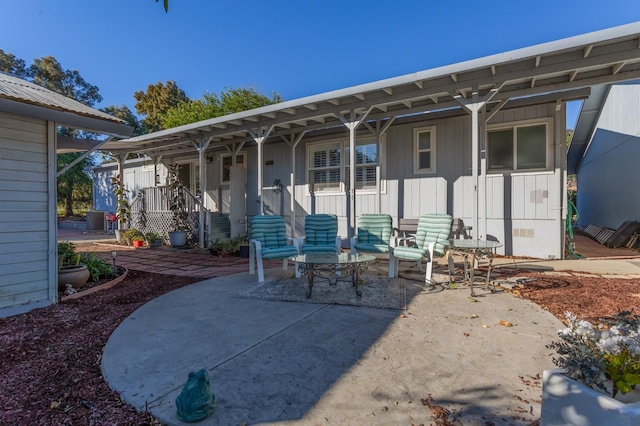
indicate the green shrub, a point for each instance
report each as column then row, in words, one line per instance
column 97, row 267
column 132, row 234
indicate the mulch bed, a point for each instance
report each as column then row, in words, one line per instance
column 50, row 358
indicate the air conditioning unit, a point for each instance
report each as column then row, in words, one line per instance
column 95, row 220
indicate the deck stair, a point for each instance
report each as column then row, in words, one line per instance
column 220, row 227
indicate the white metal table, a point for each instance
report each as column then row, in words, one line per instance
column 471, row 250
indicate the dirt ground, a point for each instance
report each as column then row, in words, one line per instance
column 50, row 358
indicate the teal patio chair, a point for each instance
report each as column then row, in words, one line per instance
column 321, row 235
column 430, row 241
column 269, row 241
column 373, row 234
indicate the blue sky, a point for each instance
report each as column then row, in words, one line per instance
column 296, row 48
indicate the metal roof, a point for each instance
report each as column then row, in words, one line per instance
column 587, row 120
column 556, row 67
column 25, row 98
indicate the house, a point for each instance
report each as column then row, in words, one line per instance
column 604, row 154
column 29, row 115
column 482, row 140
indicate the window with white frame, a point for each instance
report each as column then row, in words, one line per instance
column 227, row 162
column 324, row 166
column 518, row 147
column 424, row 142
column 328, row 167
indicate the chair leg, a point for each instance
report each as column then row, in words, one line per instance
column 260, row 269
column 427, row 278
column 297, row 270
column 393, row 266
column 252, row 258
column 285, row 264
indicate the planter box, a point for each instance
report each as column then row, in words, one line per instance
column 567, row 402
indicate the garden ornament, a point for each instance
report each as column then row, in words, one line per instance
column 196, row 400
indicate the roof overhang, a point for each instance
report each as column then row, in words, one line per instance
column 549, row 69
column 66, row 118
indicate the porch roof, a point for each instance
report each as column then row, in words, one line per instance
column 556, row 67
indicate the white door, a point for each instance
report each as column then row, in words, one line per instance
column 237, row 202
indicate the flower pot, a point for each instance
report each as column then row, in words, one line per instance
column 567, row 402
column 118, row 233
column 178, row 238
column 137, row 243
column 154, row 244
column 244, row 252
column 76, row 275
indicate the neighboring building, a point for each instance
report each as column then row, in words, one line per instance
column 482, row 140
column 604, row 154
column 29, row 115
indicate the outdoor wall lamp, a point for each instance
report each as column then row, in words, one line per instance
column 209, row 158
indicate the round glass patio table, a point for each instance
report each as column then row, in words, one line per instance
column 333, row 267
column 471, row 251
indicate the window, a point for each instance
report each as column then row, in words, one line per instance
column 424, row 140
column 366, row 165
column 227, row 161
column 520, row 147
column 324, row 167
column 329, row 168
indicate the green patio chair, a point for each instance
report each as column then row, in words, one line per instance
column 373, row 234
column 321, row 235
column 269, row 241
column 430, row 241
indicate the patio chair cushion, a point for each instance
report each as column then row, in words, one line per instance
column 374, row 233
column 271, row 231
column 279, row 252
column 434, row 228
column 409, row 253
column 321, row 231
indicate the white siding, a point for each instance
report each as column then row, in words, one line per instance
column 24, row 221
column 608, row 173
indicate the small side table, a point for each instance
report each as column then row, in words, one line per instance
column 472, row 250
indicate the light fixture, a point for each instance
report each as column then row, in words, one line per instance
column 114, row 254
column 209, row 158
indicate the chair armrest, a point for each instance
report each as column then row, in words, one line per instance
column 258, row 246
column 352, row 244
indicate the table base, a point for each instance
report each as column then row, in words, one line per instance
column 470, row 256
column 332, row 274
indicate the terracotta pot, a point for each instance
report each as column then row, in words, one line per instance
column 137, row 243
column 76, row 275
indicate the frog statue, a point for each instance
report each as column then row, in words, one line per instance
column 196, row 400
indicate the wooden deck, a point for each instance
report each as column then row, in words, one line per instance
column 590, row 248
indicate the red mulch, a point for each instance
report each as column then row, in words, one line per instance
column 50, row 358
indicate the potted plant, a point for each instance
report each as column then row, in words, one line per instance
column 178, row 208
column 123, row 208
column 76, row 269
column 153, row 239
column 70, row 270
column 600, row 368
column 133, row 237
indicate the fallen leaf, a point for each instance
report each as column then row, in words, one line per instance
column 505, row 323
column 403, row 316
column 466, row 334
column 55, row 404
column 474, row 315
column 485, row 326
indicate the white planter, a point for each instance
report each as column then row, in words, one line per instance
column 177, row 238
column 567, row 402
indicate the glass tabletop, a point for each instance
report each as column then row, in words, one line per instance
column 328, row 258
column 474, row 244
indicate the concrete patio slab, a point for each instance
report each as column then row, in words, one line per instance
column 275, row 362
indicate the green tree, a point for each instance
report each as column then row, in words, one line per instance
column 156, row 101
column 124, row 113
column 47, row 72
column 75, row 183
column 213, row 105
column 12, row 65
column 166, row 5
